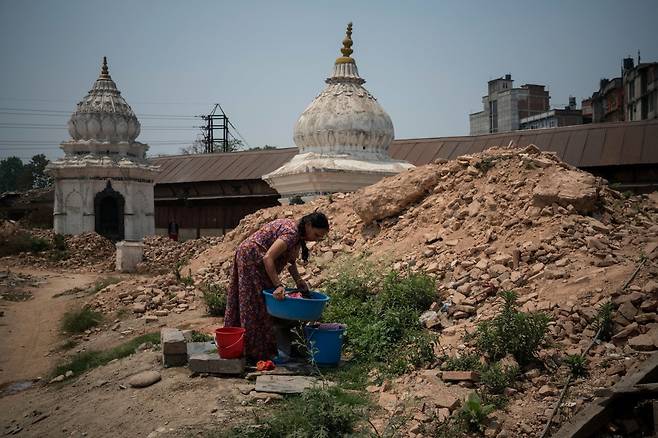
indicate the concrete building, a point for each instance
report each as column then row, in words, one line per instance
column 343, row 138
column 505, row 106
column 640, row 90
column 568, row 116
column 607, row 104
column 104, row 182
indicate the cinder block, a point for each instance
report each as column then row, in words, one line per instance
column 172, row 341
column 211, row 363
column 174, row 360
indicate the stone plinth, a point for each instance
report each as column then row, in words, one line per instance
column 128, row 255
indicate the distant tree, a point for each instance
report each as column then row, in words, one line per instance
column 11, row 169
column 259, row 148
column 16, row 176
column 199, row 147
column 37, row 172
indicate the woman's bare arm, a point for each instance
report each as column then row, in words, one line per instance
column 275, row 251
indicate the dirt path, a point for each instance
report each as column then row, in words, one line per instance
column 30, row 329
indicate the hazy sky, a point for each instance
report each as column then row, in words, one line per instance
column 427, row 62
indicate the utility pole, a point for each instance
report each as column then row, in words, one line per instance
column 215, row 122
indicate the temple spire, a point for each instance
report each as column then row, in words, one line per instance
column 346, row 50
column 105, row 72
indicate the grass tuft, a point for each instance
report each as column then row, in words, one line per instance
column 87, row 360
column 79, row 320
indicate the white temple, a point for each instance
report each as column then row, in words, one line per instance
column 343, row 138
column 104, row 183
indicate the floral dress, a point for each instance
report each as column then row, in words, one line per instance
column 245, row 306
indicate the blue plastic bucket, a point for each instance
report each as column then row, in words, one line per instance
column 325, row 341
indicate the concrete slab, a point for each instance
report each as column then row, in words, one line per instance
column 200, row 348
column 211, row 363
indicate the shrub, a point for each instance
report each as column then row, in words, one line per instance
column 318, row 412
column 466, row 362
column 603, row 321
column 187, row 280
column 79, row 320
column 474, row 413
column 512, row 332
column 59, row 242
column 201, row 337
column 577, row 365
column 495, row 378
column 38, row 245
column 214, row 295
column 22, row 242
column 382, row 315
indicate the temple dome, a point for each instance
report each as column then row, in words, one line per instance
column 103, row 115
column 345, row 118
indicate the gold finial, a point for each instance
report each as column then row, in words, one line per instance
column 347, row 47
column 105, row 72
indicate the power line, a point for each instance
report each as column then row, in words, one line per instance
column 236, row 129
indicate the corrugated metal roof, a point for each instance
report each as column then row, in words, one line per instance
column 592, row 145
column 225, row 166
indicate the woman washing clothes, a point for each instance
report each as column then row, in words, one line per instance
column 258, row 261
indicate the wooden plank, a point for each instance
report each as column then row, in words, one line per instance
column 285, row 384
column 617, row 391
column 586, row 422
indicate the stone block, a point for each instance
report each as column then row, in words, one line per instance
column 460, row 376
column 173, row 341
column 211, row 363
column 128, row 255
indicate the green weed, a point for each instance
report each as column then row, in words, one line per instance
column 87, row 360
column 201, row 337
column 512, row 332
column 382, row 316
column 79, row 320
column 474, row 413
column 214, row 296
column 103, row 283
column 317, row 413
column 495, row 377
column 577, row 364
column 603, row 321
column 465, row 362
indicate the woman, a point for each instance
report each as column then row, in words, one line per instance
column 257, row 264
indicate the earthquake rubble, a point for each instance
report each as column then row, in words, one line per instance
column 504, row 219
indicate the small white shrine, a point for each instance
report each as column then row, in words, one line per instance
column 343, row 138
column 104, row 183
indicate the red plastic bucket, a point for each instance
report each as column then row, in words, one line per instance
column 230, row 342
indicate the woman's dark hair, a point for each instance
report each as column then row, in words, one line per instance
column 316, row 220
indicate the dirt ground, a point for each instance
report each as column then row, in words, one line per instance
column 100, row 403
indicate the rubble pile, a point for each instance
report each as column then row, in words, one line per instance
column 162, row 254
column 147, row 298
column 503, row 219
column 82, row 251
column 44, row 250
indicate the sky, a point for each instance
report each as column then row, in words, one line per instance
column 427, row 62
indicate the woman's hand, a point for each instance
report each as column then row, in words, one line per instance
column 302, row 285
column 279, row 293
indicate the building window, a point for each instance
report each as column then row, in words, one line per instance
column 651, row 99
column 631, row 89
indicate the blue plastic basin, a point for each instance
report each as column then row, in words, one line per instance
column 298, row 309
